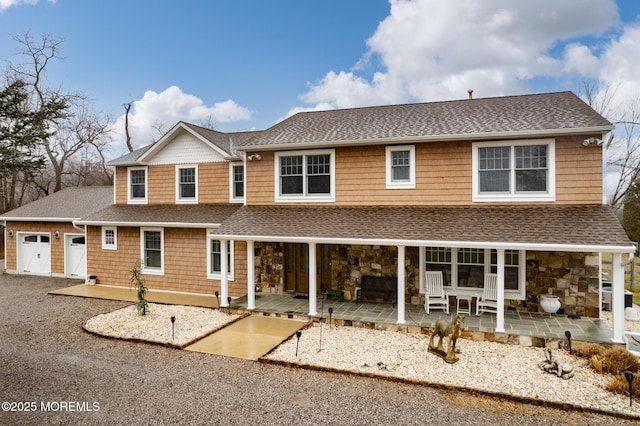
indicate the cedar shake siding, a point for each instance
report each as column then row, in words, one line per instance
column 443, row 175
column 185, row 261
column 213, row 183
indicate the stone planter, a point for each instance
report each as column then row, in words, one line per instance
column 550, row 303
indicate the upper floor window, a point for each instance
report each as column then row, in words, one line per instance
column 109, row 238
column 305, row 176
column 137, row 185
column 236, row 179
column 514, row 171
column 186, row 184
column 401, row 167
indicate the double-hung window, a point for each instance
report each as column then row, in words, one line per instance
column 137, row 185
column 152, row 250
column 514, row 171
column 109, row 238
column 464, row 269
column 401, row 167
column 187, row 184
column 236, row 179
column 214, row 259
column 305, row 176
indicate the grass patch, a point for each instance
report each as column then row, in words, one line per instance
column 613, row 361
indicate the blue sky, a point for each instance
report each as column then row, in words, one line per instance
column 245, row 64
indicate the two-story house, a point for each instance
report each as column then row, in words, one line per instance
column 509, row 185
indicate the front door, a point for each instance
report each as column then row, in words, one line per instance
column 296, row 267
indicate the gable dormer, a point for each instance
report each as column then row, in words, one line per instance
column 189, row 164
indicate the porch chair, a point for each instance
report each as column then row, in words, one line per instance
column 433, row 290
column 488, row 302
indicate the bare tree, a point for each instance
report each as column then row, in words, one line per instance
column 83, row 131
column 623, row 146
column 127, row 109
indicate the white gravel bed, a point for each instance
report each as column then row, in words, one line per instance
column 190, row 323
column 484, row 366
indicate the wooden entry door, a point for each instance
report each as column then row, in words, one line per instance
column 296, row 268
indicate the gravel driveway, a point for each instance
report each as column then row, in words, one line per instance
column 64, row 375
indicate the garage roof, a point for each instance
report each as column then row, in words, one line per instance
column 64, row 206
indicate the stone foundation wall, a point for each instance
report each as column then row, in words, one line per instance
column 573, row 277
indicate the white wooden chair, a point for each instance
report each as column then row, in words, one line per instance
column 433, row 290
column 488, row 302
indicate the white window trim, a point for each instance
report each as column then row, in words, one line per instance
column 306, row 198
column 145, row 269
column 411, row 183
column 454, row 290
column 146, row 186
column 216, row 275
column 106, row 246
column 550, row 195
column 189, row 200
column 232, row 197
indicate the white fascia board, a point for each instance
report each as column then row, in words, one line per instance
column 39, row 219
column 434, row 138
column 433, row 243
column 148, row 224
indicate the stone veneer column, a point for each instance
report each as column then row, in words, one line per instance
column 251, row 270
column 401, row 285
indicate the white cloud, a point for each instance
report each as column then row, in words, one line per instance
column 435, row 50
column 6, row 4
column 155, row 113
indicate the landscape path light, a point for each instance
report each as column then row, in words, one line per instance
column 629, row 376
column 298, row 334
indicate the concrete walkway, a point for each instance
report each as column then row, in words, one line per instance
column 130, row 295
column 249, row 338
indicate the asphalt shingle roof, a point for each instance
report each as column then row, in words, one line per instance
column 590, row 225
column 162, row 214
column 225, row 141
column 528, row 113
column 70, row 203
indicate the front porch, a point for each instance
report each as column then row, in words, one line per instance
column 525, row 328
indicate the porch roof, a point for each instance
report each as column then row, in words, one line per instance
column 548, row 227
column 168, row 215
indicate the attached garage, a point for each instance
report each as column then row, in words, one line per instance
column 34, row 254
column 41, row 238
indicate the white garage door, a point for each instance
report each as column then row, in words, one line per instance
column 34, row 254
column 75, row 256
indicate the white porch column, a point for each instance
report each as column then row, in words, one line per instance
column 313, row 286
column 500, row 308
column 224, row 276
column 401, row 285
column 251, row 270
column 617, row 298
